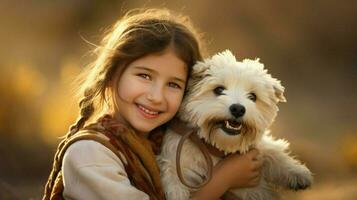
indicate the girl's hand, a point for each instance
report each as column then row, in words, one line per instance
column 240, row 170
column 234, row 171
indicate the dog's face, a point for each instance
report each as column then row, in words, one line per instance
column 231, row 102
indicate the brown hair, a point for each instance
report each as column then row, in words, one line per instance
column 137, row 34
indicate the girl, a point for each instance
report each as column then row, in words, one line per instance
column 132, row 90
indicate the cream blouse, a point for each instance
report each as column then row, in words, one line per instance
column 92, row 171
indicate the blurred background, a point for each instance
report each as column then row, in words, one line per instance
column 311, row 46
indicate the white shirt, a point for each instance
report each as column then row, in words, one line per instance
column 92, row 171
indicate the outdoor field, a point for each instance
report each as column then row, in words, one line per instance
column 311, row 46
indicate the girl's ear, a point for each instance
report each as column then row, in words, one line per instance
column 114, row 80
column 279, row 91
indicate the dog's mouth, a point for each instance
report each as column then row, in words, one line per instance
column 231, row 127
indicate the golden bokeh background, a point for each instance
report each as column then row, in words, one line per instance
column 311, row 46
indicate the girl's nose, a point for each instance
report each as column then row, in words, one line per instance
column 155, row 95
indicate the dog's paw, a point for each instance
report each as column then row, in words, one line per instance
column 300, row 178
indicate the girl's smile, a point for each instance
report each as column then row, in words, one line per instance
column 147, row 112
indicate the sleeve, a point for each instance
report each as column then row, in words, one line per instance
column 92, row 171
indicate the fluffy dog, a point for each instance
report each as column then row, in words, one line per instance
column 232, row 104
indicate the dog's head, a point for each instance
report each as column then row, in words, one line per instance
column 231, row 102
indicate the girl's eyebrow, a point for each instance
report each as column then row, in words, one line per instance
column 153, row 71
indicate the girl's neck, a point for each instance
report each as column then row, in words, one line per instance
column 120, row 119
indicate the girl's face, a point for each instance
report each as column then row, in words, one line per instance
column 150, row 90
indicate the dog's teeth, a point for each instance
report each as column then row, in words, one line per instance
column 239, row 127
column 231, row 127
column 228, row 125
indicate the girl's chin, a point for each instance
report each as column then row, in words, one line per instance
column 143, row 131
column 143, row 126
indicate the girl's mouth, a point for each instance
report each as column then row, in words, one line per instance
column 147, row 113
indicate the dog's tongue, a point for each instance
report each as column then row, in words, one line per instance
column 234, row 124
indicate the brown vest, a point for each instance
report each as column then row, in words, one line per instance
column 136, row 153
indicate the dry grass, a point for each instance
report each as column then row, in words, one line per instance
column 328, row 190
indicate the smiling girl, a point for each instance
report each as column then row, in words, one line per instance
column 149, row 92
column 131, row 91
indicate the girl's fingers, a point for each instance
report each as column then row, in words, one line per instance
column 255, row 178
column 253, row 153
column 255, row 181
column 258, row 165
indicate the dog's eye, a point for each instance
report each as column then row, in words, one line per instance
column 252, row 97
column 219, row 90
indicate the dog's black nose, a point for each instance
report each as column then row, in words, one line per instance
column 237, row 110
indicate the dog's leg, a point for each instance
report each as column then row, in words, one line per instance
column 192, row 167
column 172, row 186
column 280, row 168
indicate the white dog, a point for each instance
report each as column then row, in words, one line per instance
column 232, row 104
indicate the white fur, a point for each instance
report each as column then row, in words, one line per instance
column 202, row 108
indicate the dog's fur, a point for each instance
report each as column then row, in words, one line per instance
column 206, row 108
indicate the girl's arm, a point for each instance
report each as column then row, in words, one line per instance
column 235, row 171
column 92, row 171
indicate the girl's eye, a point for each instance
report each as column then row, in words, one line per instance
column 144, row 76
column 174, row 85
column 219, row 90
column 252, row 97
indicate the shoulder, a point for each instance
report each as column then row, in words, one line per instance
column 92, row 171
column 90, row 153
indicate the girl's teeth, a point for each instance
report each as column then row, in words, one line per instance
column 148, row 111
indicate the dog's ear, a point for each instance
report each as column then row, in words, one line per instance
column 279, row 91
column 199, row 69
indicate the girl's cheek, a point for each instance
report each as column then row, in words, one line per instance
column 175, row 100
column 127, row 88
